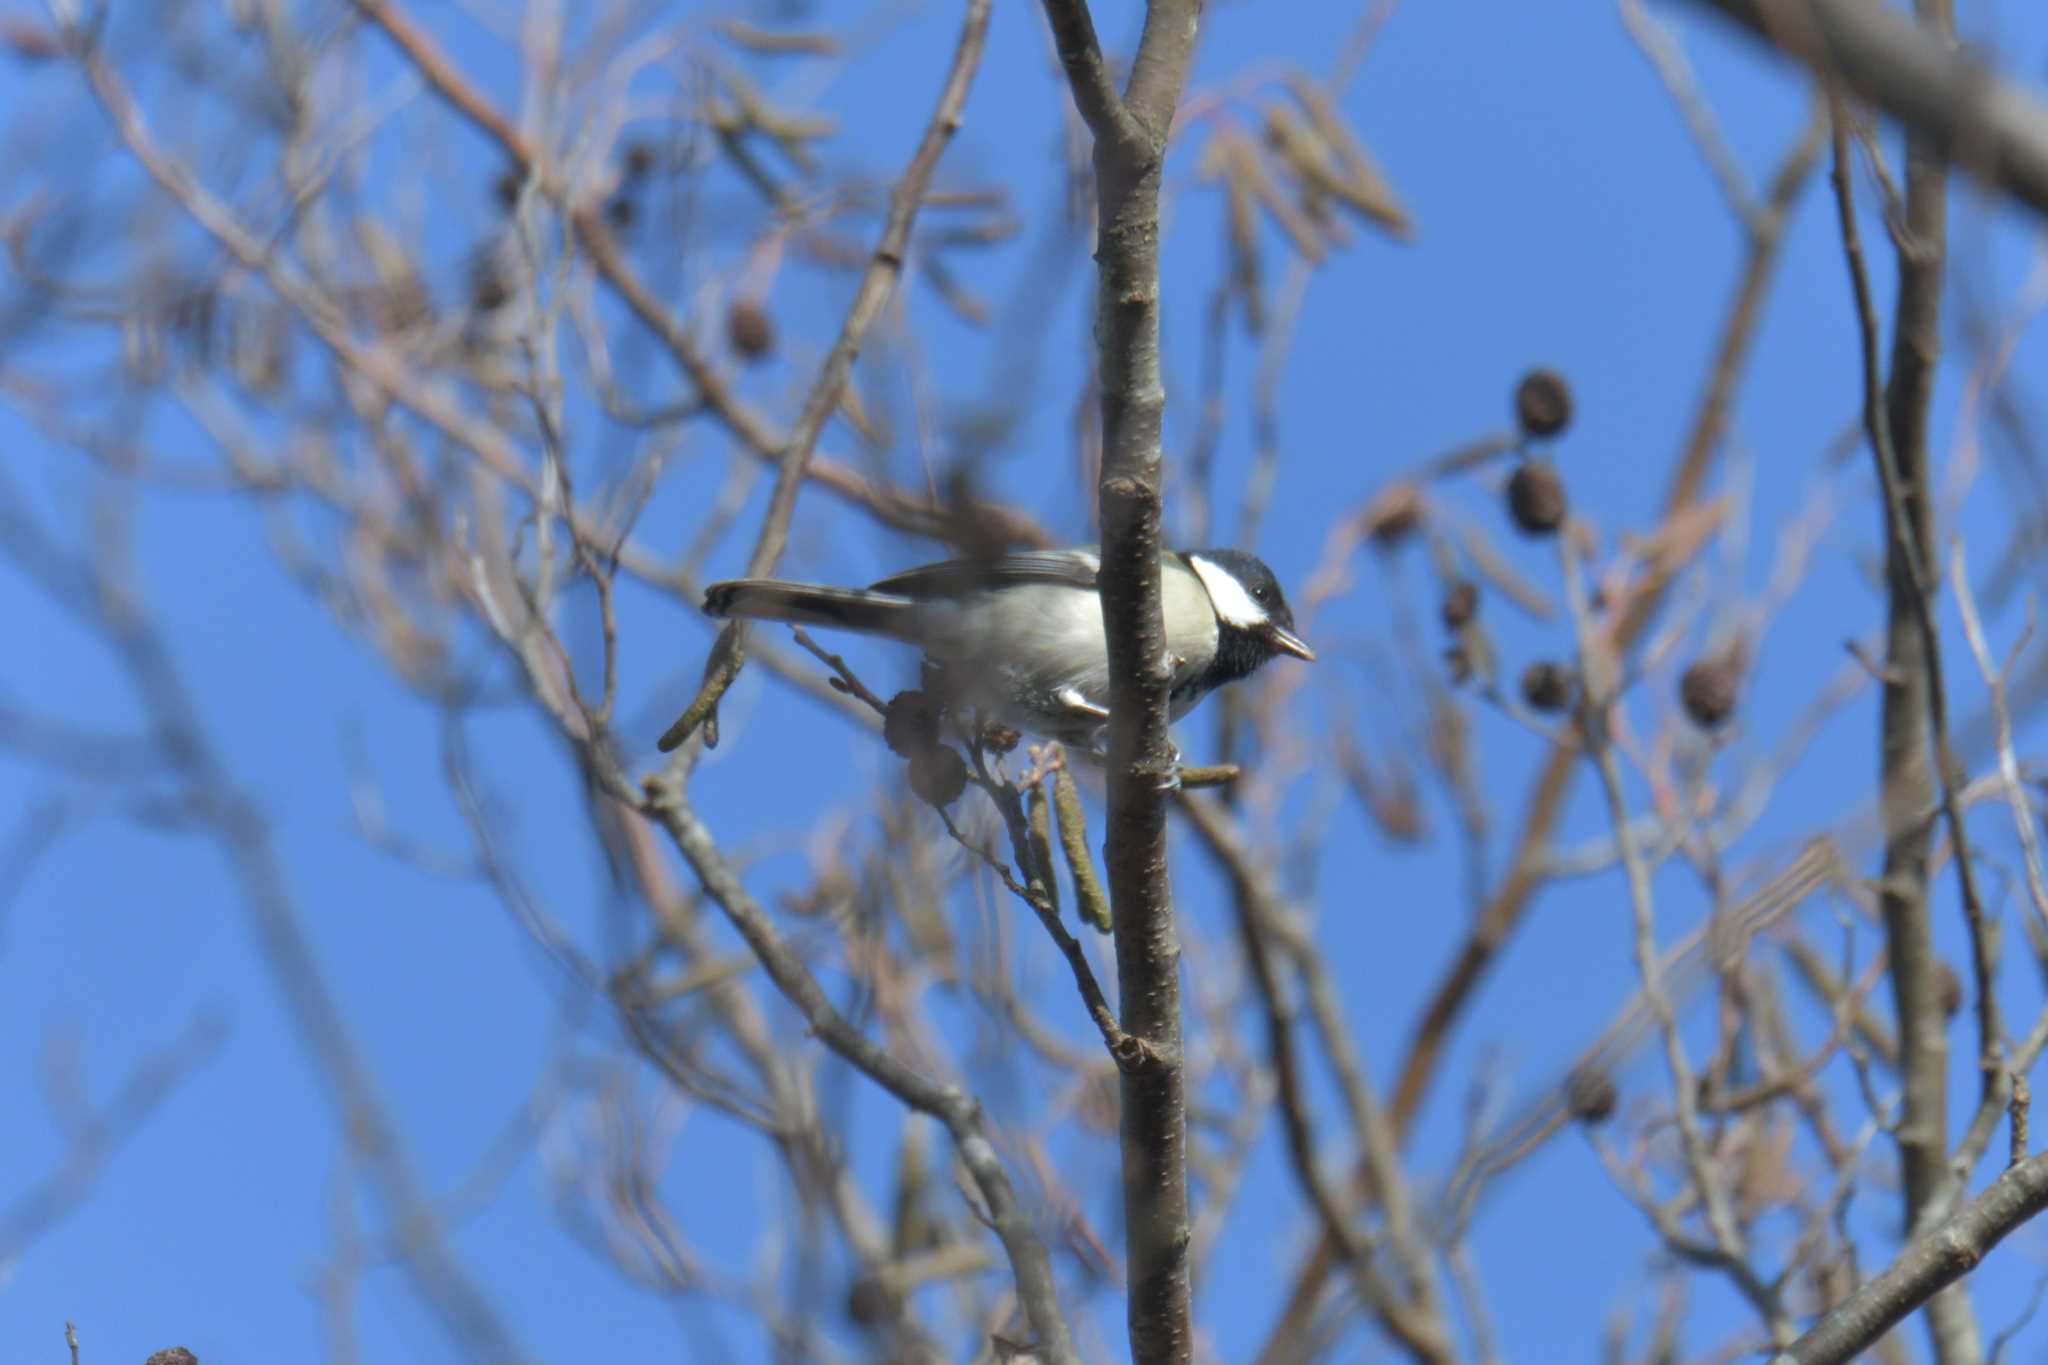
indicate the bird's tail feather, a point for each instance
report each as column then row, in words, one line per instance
column 809, row 604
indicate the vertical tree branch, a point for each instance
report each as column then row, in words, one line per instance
column 1130, row 154
column 1907, row 782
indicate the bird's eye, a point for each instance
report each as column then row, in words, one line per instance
column 1260, row 594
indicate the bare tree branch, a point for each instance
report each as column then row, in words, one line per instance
column 1128, row 170
column 1932, row 1262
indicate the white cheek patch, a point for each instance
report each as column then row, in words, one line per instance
column 1234, row 606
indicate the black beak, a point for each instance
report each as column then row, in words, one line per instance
column 1287, row 642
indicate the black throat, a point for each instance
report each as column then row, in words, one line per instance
column 1239, row 653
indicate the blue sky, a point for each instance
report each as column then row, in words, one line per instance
column 1563, row 217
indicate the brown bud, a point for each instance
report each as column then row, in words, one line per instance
column 1707, row 691
column 1950, row 986
column 911, row 724
column 1547, row 686
column 937, row 775
column 619, row 211
column 1460, row 604
column 638, row 161
column 1590, row 1095
column 999, row 738
column 1543, row 403
column 749, row 328
column 506, row 189
column 1458, row 663
column 1536, row 499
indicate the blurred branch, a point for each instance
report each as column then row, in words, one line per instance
column 877, row 283
column 1457, row 989
column 668, row 804
column 107, row 605
column 1417, row 1321
column 92, row 1137
column 892, row 508
column 1958, row 107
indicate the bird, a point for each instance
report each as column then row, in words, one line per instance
column 1019, row 637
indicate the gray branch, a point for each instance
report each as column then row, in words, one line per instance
column 1926, row 1267
column 1130, row 153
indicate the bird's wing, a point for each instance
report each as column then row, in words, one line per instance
column 957, row 577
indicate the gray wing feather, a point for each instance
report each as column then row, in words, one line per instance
column 958, row 577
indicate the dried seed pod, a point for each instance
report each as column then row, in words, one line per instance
column 1543, row 403
column 619, row 211
column 870, row 1301
column 999, row 738
column 1950, row 987
column 1073, row 829
column 1460, row 604
column 749, row 328
column 1590, row 1095
column 1038, row 817
column 937, row 775
column 489, row 290
column 1707, row 692
column 638, row 161
column 1548, row 686
column 1458, row 663
column 1536, row 499
column 911, row 724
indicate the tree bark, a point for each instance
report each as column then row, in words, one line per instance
column 1130, row 133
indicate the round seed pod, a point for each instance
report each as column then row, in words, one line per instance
column 1707, row 692
column 999, row 738
column 1590, row 1095
column 1460, row 604
column 911, row 724
column 1543, row 403
column 638, row 161
column 1536, row 500
column 749, row 328
column 1547, row 686
column 937, row 775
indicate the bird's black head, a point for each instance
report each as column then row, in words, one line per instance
column 1251, row 611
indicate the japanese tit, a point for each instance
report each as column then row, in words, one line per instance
column 1019, row 638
